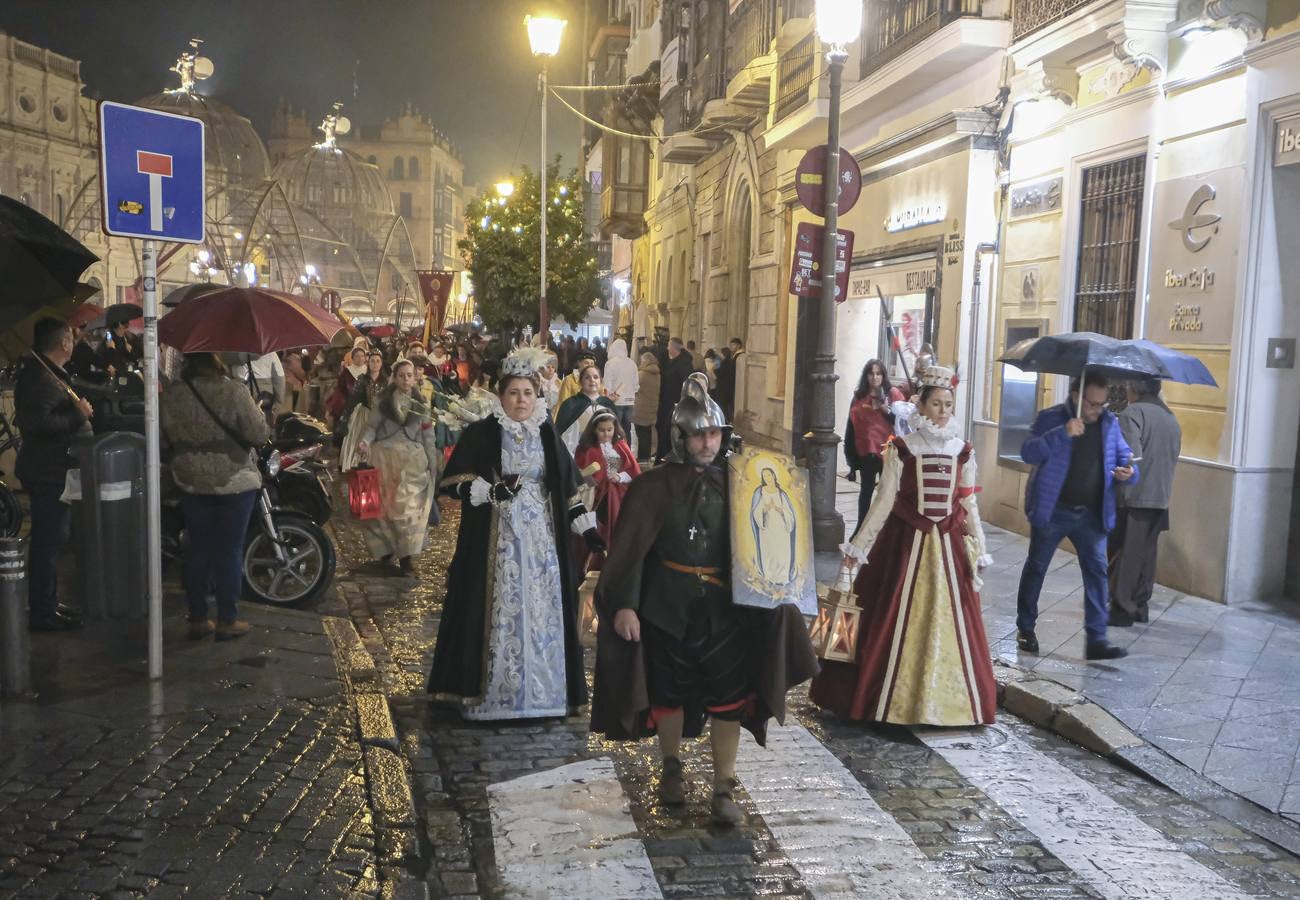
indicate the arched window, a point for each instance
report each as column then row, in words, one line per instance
column 398, row 175
column 413, row 167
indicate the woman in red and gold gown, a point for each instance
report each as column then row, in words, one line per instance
column 922, row 657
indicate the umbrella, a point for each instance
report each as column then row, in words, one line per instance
column 39, row 262
column 1070, row 354
column 16, row 339
column 189, row 292
column 381, row 331
column 121, row 312
column 246, row 320
column 1180, row 367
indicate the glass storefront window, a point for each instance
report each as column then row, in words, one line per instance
column 1019, row 396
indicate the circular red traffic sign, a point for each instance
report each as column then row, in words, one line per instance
column 809, row 181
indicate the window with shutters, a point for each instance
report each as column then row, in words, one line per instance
column 1110, row 230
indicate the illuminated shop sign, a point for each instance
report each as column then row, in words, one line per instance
column 914, row 217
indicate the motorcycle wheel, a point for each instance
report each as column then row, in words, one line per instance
column 11, row 513
column 307, row 571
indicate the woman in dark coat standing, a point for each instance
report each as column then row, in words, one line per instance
column 508, row 644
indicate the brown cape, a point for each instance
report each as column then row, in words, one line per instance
column 620, row 703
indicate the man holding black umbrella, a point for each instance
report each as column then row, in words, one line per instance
column 49, row 415
column 1078, row 453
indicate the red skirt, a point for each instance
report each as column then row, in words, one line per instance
column 922, row 656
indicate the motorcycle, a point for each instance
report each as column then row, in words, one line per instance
column 304, row 483
column 288, row 558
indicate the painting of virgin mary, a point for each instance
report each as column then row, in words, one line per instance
column 771, row 515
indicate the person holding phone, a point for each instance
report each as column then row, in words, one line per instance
column 1079, row 454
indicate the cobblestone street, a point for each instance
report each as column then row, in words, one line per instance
column 834, row 809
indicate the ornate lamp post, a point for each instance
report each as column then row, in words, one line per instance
column 839, row 23
column 544, row 36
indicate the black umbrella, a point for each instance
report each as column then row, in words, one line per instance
column 121, row 312
column 189, row 292
column 1072, row 353
column 39, row 262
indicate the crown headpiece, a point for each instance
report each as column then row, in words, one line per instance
column 939, row 377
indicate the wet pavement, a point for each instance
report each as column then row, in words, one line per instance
column 834, row 809
column 237, row 774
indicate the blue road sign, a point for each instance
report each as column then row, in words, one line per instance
column 151, row 173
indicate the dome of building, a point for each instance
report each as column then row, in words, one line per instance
column 231, row 145
column 336, row 184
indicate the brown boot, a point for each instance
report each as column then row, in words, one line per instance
column 672, row 783
column 725, row 809
column 198, row 630
column 228, row 631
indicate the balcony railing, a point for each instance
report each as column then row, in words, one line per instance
column 1027, row 16
column 795, row 73
column 750, row 31
column 895, row 26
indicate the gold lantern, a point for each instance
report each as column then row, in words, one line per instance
column 834, row 631
column 587, row 609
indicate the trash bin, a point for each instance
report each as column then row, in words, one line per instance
column 15, row 648
column 110, row 527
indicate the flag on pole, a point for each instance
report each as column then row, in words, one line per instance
column 435, row 287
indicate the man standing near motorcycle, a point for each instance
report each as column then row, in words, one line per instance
column 213, row 427
column 48, row 415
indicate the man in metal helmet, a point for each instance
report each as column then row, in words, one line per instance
column 697, row 413
column 672, row 648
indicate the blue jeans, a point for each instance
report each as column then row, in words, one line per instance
column 214, row 560
column 1084, row 530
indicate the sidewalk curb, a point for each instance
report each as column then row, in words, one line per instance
column 387, row 783
column 1068, row 713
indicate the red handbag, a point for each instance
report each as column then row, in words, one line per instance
column 363, row 493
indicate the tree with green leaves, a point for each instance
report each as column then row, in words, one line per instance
column 503, row 250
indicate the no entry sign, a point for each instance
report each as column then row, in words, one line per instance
column 810, row 181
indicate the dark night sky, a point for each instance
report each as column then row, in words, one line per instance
column 464, row 63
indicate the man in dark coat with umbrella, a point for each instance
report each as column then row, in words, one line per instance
column 49, row 416
column 672, row 648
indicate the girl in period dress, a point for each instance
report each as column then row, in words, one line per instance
column 508, row 644
column 604, row 447
column 922, row 657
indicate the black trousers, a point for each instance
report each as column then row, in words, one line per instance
column 644, row 440
column 664, row 431
column 49, row 533
column 1133, row 546
column 872, row 465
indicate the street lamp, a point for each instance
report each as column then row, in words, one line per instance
column 505, row 188
column 839, row 22
column 544, row 36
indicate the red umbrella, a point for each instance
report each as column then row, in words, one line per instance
column 382, row 331
column 246, row 320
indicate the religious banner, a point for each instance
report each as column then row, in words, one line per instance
column 435, row 287
column 771, row 532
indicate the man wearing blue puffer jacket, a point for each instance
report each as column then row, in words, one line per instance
column 1077, row 458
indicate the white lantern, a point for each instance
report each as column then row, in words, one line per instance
column 544, row 34
column 839, row 22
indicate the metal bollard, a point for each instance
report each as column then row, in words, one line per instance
column 15, row 643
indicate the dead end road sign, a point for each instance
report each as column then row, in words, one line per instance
column 151, row 173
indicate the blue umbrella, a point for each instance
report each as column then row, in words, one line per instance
column 1179, row 367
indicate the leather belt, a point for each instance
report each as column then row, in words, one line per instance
column 707, row 574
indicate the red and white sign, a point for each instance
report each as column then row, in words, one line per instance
column 157, row 166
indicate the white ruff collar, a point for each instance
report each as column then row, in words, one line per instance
column 921, row 425
column 531, row 425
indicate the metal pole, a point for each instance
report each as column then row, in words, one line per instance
column 15, row 644
column 828, row 524
column 152, row 460
column 544, row 312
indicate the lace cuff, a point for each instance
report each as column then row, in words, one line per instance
column 583, row 523
column 479, row 492
column 854, row 552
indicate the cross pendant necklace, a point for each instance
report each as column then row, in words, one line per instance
column 691, row 531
